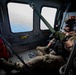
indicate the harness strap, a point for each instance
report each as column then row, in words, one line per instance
column 42, row 18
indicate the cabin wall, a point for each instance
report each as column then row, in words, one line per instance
column 35, row 37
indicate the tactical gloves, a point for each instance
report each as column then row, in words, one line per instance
column 18, row 66
column 46, row 48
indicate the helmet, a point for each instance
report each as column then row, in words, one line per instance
column 70, row 21
column 72, row 24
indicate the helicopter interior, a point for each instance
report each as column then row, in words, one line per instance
column 25, row 24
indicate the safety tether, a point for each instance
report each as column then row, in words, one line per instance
column 27, row 67
column 42, row 18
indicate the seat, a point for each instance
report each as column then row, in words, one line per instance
column 69, row 68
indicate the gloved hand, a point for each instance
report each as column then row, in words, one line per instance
column 18, row 66
column 45, row 48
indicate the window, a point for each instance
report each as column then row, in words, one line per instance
column 49, row 14
column 21, row 17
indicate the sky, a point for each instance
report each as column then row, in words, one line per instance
column 21, row 16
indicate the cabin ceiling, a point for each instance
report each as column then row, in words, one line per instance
column 73, row 4
column 62, row 1
column 59, row 1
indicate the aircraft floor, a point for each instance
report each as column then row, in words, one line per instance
column 24, row 55
column 27, row 55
